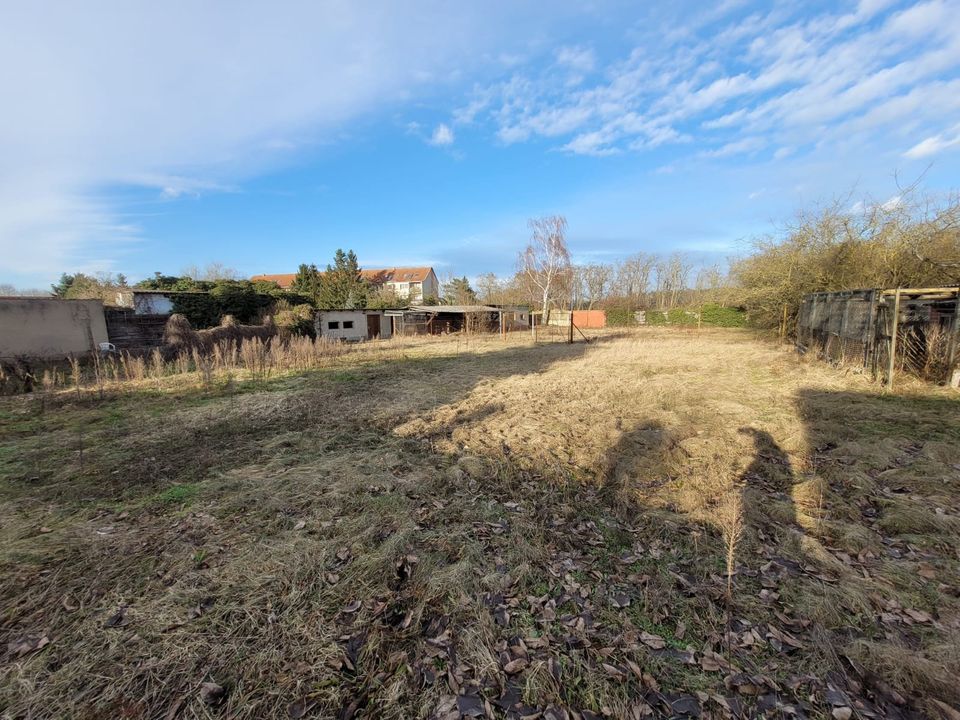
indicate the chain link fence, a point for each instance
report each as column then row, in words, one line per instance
column 862, row 327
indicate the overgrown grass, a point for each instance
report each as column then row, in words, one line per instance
column 387, row 532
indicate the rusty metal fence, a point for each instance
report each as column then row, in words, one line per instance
column 912, row 330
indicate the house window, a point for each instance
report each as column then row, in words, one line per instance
column 348, row 324
column 333, row 325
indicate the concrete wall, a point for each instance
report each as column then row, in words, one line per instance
column 44, row 327
column 357, row 317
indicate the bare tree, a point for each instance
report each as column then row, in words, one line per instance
column 710, row 285
column 596, row 280
column 633, row 278
column 672, row 275
column 490, row 289
column 212, row 272
column 546, row 259
column 7, row 289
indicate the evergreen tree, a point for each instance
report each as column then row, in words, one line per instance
column 342, row 286
column 309, row 282
column 457, row 291
column 61, row 289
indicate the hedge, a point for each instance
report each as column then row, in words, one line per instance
column 712, row 314
column 205, row 310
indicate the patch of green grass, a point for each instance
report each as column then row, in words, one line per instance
column 343, row 376
column 178, row 494
column 641, row 619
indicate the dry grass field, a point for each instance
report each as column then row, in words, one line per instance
column 657, row 524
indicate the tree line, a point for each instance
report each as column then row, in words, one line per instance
column 912, row 240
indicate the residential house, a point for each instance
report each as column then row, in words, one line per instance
column 415, row 283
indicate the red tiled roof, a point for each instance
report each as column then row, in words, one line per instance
column 396, row 274
column 374, row 277
column 284, row 281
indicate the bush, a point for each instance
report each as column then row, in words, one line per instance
column 620, row 317
column 298, row 320
column 205, row 309
column 720, row 316
column 712, row 314
column 178, row 335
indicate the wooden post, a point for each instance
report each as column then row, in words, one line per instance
column 952, row 342
column 503, row 333
column 570, row 338
column 893, row 339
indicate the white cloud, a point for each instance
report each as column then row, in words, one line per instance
column 800, row 80
column 442, row 135
column 932, row 146
column 581, row 60
column 737, row 147
column 182, row 98
column 892, row 203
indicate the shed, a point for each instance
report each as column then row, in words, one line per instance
column 440, row 319
column 353, row 325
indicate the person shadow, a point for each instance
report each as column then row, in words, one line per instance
column 769, row 477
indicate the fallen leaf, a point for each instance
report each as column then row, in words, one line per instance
column 212, row 693
column 515, row 666
column 351, row 607
column 45, row 529
column 300, row 708
column 301, row 524
column 470, row 706
column 918, row 615
column 28, row 644
column 620, row 600
column 842, row 713
column 118, row 619
column 948, row 712
column 654, row 641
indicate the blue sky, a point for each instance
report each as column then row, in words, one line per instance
column 154, row 136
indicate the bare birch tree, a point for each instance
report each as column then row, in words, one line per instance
column 546, row 259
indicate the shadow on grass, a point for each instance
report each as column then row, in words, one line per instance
column 129, row 445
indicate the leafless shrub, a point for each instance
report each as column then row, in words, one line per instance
column 181, row 362
column 134, row 368
column 75, row 374
column 254, row 357
column 157, row 366
column 730, row 517
column 204, row 366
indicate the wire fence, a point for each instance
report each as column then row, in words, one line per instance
column 917, row 326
